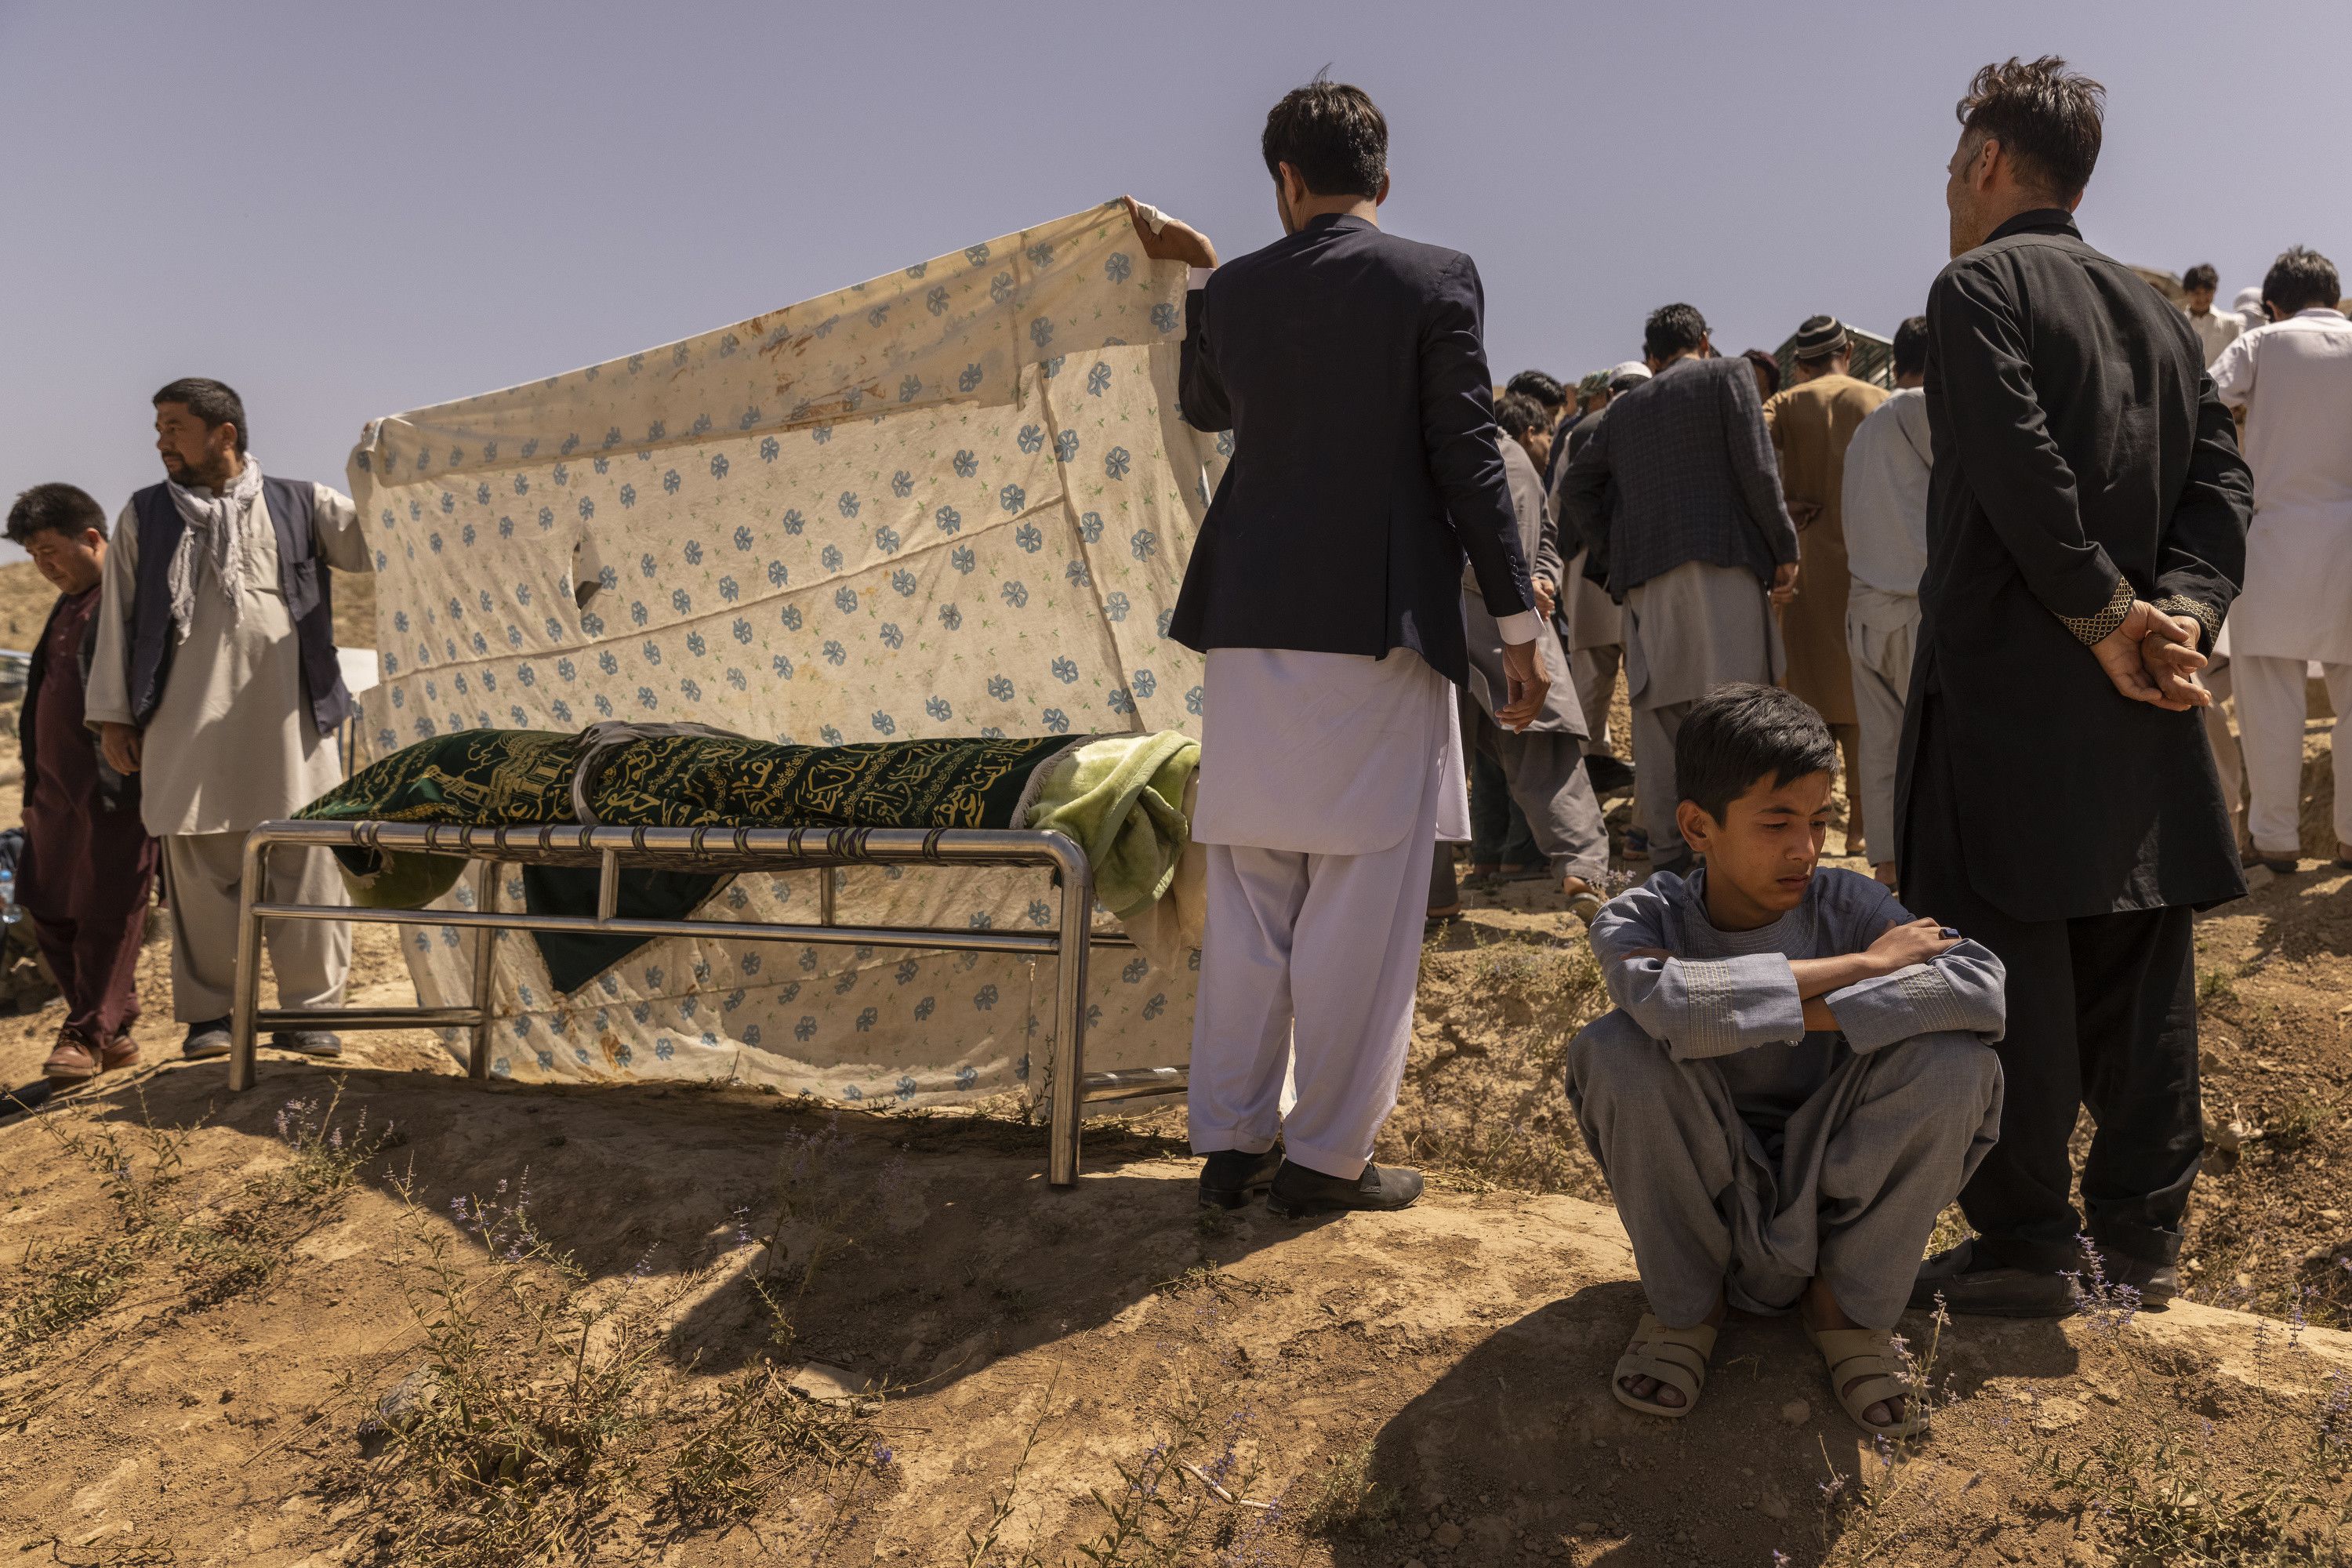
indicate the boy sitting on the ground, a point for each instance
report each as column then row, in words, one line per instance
column 1795, row 1079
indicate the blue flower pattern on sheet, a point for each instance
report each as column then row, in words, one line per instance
column 994, row 475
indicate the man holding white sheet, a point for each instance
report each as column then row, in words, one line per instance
column 1325, row 589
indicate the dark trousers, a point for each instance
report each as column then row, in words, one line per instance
column 2102, row 1014
column 96, row 962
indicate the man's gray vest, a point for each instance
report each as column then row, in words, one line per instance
column 302, row 578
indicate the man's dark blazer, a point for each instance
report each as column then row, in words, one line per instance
column 2078, row 445
column 1350, row 367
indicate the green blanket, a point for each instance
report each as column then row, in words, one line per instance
column 1122, row 798
column 525, row 777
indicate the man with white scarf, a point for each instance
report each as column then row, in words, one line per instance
column 214, row 680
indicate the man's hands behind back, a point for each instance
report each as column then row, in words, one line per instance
column 2152, row 658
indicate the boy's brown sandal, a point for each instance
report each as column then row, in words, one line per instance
column 1676, row 1357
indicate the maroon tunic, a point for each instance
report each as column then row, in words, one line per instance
column 88, row 872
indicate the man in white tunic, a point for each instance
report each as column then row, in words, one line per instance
column 214, row 680
column 1325, row 589
column 2215, row 329
column 1886, row 497
column 2292, row 382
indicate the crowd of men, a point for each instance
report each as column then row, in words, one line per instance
column 1854, row 460
column 1711, row 487
column 184, row 688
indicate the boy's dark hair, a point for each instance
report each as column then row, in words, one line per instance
column 1911, row 346
column 1738, row 735
column 214, row 402
column 2201, row 275
column 54, row 509
column 2044, row 115
column 1766, row 366
column 1520, row 415
column 1672, row 329
column 2300, row 279
column 1333, row 134
column 1535, row 384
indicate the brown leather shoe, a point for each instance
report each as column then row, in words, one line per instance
column 72, row 1061
column 122, row 1051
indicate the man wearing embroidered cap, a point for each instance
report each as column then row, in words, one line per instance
column 1812, row 422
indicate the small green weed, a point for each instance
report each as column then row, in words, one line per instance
column 1347, row 1502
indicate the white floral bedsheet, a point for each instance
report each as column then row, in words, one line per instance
column 956, row 500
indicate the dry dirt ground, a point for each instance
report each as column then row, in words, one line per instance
column 382, row 1315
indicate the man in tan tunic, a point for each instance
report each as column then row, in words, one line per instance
column 1812, row 423
column 215, row 680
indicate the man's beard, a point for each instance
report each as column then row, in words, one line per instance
column 191, row 476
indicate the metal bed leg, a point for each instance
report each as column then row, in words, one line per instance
column 246, row 996
column 486, row 899
column 1070, row 1023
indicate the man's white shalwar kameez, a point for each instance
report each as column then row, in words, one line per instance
column 2293, row 380
column 231, row 745
column 1326, row 779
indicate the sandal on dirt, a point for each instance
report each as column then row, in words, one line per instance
column 1865, row 1370
column 1676, row 1357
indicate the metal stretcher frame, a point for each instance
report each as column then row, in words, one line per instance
column 697, row 849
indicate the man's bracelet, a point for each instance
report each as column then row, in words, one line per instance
column 2092, row 630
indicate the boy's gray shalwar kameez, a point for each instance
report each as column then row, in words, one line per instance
column 1749, row 1155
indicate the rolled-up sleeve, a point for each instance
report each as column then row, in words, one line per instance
column 1960, row 991
column 335, row 525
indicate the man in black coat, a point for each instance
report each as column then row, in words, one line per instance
column 2058, row 802
column 1326, row 589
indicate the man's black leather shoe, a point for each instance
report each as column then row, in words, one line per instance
column 1297, row 1191
column 206, row 1040
column 1231, row 1177
column 2155, row 1284
column 1988, row 1291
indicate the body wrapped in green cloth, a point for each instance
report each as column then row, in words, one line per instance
column 1121, row 797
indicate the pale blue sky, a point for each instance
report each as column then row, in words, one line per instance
column 347, row 210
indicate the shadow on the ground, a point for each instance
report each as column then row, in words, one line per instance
column 912, row 1248
column 1520, row 1443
